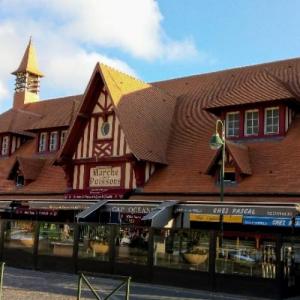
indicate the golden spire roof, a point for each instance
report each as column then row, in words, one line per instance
column 29, row 62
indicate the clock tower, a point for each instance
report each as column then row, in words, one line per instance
column 27, row 78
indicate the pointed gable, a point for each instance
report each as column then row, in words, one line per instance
column 145, row 113
column 29, row 166
column 239, row 154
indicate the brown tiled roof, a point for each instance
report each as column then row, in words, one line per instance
column 49, row 179
column 30, row 166
column 40, row 115
column 274, row 161
column 240, row 154
column 250, row 87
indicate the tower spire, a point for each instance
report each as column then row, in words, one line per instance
column 29, row 61
column 27, row 78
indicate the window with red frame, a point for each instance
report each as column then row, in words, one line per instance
column 272, row 120
column 233, row 124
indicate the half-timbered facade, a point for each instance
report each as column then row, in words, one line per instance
column 127, row 165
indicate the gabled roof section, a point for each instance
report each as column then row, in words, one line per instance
column 54, row 113
column 29, row 62
column 30, row 167
column 250, row 87
column 40, row 115
column 145, row 113
column 240, row 156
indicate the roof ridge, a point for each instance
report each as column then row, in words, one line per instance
column 122, row 72
column 230, row 69
column 285, row 85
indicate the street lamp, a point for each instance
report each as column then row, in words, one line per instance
column 216, row 142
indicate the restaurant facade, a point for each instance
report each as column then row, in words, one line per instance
column 121, row 179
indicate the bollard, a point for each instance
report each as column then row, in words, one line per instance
column 128, row 289
column 1, row 279
column 79, row 287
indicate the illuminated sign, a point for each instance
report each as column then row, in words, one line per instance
column 105, row 177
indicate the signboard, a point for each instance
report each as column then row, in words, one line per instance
column 267, row 221
column 204, row 218
column 243, row 210
column 232, row 219
column 216, row 218
column 297, row 222
column 104, row 176
column 97, row 193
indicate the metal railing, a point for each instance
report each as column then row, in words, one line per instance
column 82, row 279
column 1, row 278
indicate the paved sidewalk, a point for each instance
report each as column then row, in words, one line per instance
column 33, row 285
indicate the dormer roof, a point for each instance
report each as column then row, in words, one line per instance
column 239, row 154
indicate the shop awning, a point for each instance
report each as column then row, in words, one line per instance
column 91, row 209
column 238, row 209
column 162, row 214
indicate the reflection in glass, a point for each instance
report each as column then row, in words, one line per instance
column 94, row 242
column 19, row 234
column 246, row 255
column 132, row 245
column 56, row 239
column 182, row 249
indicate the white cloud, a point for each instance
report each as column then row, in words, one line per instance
column 70, row 36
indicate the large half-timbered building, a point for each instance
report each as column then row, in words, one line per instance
column 121, row 179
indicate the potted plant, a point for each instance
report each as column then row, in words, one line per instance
column 196, row 253
column 99, row 241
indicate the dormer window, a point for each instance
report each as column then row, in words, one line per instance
column 20, row 180
column 233, row 124
column 53, row 141
column 272, row 120
column 5, row 145
column 63, row 135
column 251, row 122
column 42, row 142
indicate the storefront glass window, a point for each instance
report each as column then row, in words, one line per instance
column 186, row 249
column 19, row 234
column 240, row 254
column 94, row 242
column 290, row 255
column 132, row 245
column 56, row 239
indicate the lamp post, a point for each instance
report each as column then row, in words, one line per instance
column 216, row 142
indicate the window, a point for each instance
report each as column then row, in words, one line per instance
column 229, row 176
column 233, row 124
column 272, row 120
column 5, row 145
column 63, row 135
column 105, row 128
column 19, row 180
column 251, row 122
column 42, row 142
column 53, row 141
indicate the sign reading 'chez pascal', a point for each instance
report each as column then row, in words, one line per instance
column 105, row 176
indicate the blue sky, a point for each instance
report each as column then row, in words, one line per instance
column 154, row 40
